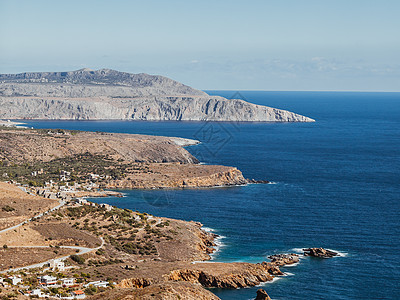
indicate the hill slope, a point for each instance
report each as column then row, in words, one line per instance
column 112, row 95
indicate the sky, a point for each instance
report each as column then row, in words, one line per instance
column 278, row 45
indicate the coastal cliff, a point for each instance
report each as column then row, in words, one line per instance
column 112, row 95
column 180, row 176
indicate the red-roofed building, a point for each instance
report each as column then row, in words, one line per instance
column 79, row 294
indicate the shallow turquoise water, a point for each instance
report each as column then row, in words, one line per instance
column 337, row 185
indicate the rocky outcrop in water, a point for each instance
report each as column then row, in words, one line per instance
column 284, row 259
column 262, row 295
column 111, row 95
column 319, row 252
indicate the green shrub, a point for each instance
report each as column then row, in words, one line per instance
column 78, row 259
column 7, row 208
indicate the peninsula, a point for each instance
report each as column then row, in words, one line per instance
column 111, row 95
column 52, row 162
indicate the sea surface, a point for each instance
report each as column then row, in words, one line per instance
column 336, row 184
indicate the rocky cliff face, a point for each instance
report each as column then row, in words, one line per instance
column 181, row 176
column 232, row 276
column 112, row 95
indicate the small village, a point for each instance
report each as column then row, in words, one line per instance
column 47, row 280
column 64, row 188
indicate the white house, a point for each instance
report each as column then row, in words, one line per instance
column 48, row 280
column 94, row 176
column 15, row 279
column 106, row 206
column 56, row 264
column 35, row 292
column 81, row 201
column 97, row 284
column 68, row 281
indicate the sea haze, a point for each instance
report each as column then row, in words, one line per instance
column 336, row 185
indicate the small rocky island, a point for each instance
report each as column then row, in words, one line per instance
column 111, row 95
column 320, row 252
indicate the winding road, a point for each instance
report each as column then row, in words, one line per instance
column 82, row 250
column 62, row 203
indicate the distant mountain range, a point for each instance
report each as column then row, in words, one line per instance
column 112, row 95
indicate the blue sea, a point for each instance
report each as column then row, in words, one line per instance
column 336, row 184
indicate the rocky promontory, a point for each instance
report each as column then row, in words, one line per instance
column 105, row 161
column 111, row 95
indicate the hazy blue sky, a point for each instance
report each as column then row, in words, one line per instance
column 264, row 45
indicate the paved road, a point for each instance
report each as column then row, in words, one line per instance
column 62, row 203
column 82, row 250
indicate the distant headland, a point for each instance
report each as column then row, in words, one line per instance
column 112, row 95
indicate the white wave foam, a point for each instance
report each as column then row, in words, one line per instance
column 340, row 254
column 272, row 182
column 208, row 229
column 219, row 245
column 291, row 265
column 300, row 250
column 218, row 241
column 268, row 282
column 288, row 274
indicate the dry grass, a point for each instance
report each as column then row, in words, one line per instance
column 63, row 234
column 37, row 145
column 19, row 257
column 24, row 206
column 171, row 290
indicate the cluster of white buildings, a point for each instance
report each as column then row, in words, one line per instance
column 77, row 294
column 83, row 201
column 47, row 281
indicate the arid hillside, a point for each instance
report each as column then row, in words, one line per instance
column 17, row 206
column 46, row 144
column 105, row 160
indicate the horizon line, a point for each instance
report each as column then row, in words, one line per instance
column 296, row 91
